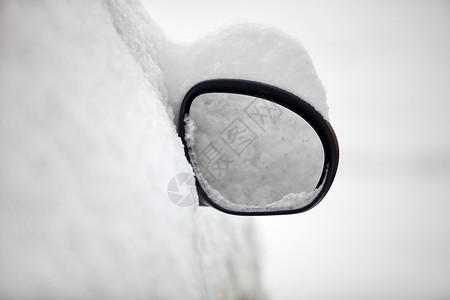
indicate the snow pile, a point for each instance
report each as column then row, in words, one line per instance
column 88, row 95
column 245, row 51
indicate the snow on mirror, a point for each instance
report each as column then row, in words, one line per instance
column 251, row 155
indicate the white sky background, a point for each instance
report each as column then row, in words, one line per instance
column 383, row 231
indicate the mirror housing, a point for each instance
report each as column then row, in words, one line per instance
column 283, row 98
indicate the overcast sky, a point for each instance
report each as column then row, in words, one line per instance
column 383, row 231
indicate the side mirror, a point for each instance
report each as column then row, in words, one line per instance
column 256, row 149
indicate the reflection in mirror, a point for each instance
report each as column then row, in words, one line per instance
column 251, row 154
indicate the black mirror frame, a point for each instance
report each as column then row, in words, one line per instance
column 283, row 98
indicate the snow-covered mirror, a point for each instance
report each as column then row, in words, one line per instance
column 251, row 153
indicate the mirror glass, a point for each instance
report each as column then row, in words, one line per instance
column 251, row 154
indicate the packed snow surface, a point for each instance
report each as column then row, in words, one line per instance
column 89, row 92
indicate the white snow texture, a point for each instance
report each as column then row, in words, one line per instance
column 89, row 92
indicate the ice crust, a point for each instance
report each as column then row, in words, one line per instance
column 89, row 92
